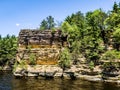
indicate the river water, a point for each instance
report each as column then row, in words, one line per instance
column 8, row 82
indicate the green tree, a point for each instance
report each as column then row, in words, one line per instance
column 8, row 49
column 0, row 37
column 78, row 20
column 96, row 20
column 114, row 17
column 71, row 31
column 47, row 23
column 111, row 55
column 113, row 24
column 65, row 59
column 43, row 25
column 115, row 7
column 32, row 59
column 73, row 38
column 112, row 21
column 116, row 38
column 93, row 39
column 51, row 23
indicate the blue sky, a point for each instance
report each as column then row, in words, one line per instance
column 25, row 14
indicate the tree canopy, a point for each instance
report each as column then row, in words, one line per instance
column 8, row 49
column 47, row 23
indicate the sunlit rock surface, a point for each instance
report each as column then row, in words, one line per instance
column 44, row 45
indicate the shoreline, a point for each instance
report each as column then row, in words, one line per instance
column 54, row 72
column 96, row 78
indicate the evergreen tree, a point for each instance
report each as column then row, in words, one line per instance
column 43, row 25
column 78, row 20
column 115, row 7
column 47, row 23
column 50, row 22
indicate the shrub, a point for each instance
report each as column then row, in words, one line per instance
column 65, row 58
column 32, row 59
column 91, row 65
column 111, row 55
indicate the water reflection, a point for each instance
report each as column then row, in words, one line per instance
column 7, row 82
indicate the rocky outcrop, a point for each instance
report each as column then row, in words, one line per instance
column 44, row 46
column 39, row 71
column 38, row 53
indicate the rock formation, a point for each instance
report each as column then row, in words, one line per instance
column 38, row 55
column 43, row 46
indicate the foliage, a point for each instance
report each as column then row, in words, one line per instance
column 50, row 22
column 111, row 67
column 65, row 58
column 116, row 38
column 78, row 20
column 43, row 25
column 115, row 8
column 113, row 20
column 93, row 35
column 47, row 23
column 19, row 64
column 71, row 31
column 53, row 31
column 111, row 55
column 8, row 49
column 32, row 59
column 91, row 65
column 110, row 64
column 85, row 34
column 76, row 51
column 95, row 22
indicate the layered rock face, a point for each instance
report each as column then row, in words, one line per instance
column 38, row 53
column 41, row 46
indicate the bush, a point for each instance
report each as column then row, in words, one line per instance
column 65, row 58
column 32, row 59
column 19, row 64
column 8, row 49
column 111, row 55
column 91, row 65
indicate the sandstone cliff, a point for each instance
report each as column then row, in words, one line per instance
column 44, row 46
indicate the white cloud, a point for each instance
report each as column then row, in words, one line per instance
column 17, row 24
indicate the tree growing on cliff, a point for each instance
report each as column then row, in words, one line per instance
column 116, row 39
column 71, row 31
column 43, row 25
column 50, row 22
column 115, row 7
column 73, row 38
column 47, row 23
column 113, row 24
column 94, row 35
column 65, row 59
column 77, row 19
